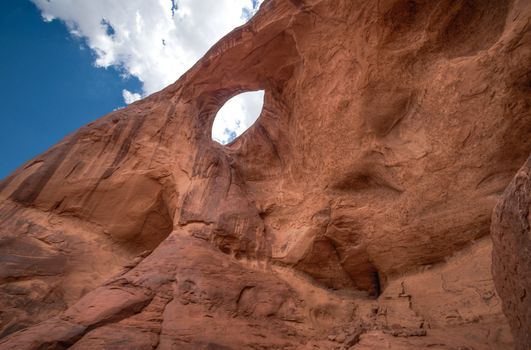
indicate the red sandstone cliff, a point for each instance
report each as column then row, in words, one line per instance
column 355, row 213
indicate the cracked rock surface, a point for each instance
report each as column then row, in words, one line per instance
column 511, row 235
column 354, row 214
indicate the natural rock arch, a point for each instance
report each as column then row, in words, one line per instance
column 373, row 169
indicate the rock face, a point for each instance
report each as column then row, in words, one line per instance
column 354, row 213
column 511, row 235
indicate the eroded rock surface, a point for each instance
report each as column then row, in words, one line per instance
column 511, row 234
column 355, row 212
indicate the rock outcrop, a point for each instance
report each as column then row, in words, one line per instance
column 354, row 213
column 511, row 235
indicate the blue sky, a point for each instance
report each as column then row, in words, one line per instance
column 49, row 86
column 65, row 63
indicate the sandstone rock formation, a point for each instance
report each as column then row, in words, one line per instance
column 355, row 213
column 511, row 235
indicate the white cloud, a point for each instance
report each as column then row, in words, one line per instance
column 155, row 41
column 130, row 97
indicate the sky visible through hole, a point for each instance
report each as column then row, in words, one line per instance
column 237, row 115
column 145, row 44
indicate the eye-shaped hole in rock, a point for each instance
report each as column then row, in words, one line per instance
column 237, row 115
